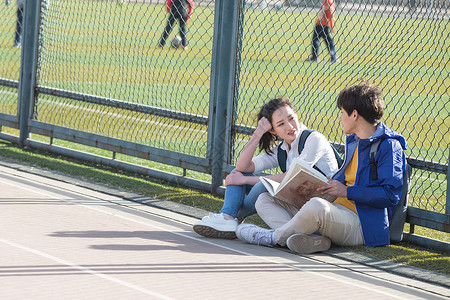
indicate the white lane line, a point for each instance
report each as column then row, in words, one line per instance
column 146, row 223
column 86, row 270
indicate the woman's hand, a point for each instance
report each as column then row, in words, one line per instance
column 334, row 188
column 235, row 178
column 244, row 162
column 264, row 125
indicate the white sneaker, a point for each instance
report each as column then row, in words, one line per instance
column 255, row 235
column 216, row 226
column 306, row 244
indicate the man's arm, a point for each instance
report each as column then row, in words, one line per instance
column 387, row 190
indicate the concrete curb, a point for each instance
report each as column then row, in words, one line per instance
column 340, row 253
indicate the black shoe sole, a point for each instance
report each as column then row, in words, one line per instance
column 213, row 233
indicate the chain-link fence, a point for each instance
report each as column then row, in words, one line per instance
column 111, row 53
column 100, row 83
column 10, row 57
column 404, row 51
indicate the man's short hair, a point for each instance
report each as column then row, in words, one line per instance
column 365, row 98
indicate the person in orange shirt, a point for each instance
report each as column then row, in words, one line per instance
column 177, row 10
column 324, row 25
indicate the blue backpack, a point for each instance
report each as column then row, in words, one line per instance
column 282, row 155
column 398, row 219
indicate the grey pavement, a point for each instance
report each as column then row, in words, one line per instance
column 63, row 237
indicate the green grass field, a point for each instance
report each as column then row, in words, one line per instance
column 111, row 52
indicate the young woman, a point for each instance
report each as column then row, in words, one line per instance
column 276, row 119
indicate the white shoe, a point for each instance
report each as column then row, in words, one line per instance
column 216, row 226
column 306, row 244
column 255, row 235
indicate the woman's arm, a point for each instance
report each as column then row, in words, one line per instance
column 244, row 164
column 237, row 178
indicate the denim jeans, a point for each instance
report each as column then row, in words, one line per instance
column 322, row 32
column 181, row 16
column 239, row 200
column 19, row 22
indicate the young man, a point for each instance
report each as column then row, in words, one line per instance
column 363, row 208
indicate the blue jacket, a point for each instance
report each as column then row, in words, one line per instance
column 375, row 201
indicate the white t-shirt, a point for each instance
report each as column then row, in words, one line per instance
column 317, row 151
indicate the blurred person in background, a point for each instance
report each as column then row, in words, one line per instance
column 177, row 10
column 323, row 28
column 19, row 22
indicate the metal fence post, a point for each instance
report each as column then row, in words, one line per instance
column 447, row 201
column 28, row 63
column 223, row 74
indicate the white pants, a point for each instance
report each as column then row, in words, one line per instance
column 338, row 223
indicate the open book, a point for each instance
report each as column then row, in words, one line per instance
column 299, row 185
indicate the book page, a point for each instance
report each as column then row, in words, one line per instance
column 300, row 189
column 297, row 165
column 271, row 185
column 307, row 167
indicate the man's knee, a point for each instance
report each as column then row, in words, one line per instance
column 263, row 200
column 316, row 207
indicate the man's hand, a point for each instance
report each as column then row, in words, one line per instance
column 334, row 188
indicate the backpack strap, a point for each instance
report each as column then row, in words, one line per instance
column 282, row 154
column 302, row 140
column 373, row 166
column 301, row 145
column 282, row 157
column 337, row 156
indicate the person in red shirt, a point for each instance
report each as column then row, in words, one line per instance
column 177, row 10
column 324, row 25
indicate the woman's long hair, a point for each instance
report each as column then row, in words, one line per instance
column 268, row 139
